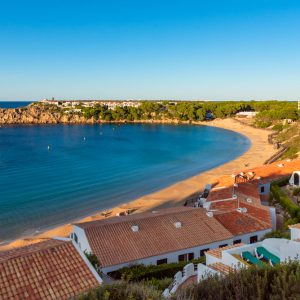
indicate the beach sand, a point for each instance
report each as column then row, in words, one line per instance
column 182, row 191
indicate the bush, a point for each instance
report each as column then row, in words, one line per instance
column 278, row 127
column 123, row 291
column 160, row 284
column 296, row 192
column 286, row 203
column 142, row 272
column 279, row 234
column 279, row 282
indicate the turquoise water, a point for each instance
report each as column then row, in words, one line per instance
column 92, row 167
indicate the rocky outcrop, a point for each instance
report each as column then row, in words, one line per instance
column 39, row 115
column 49, row 114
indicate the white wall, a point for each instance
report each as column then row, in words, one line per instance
column 172, row 256
column 246, row 237
column 203, row 272
column 295, row 233
column 83, row 243
column 289, row 250
column 210, row 259
column 291, row 181
column 273, row 216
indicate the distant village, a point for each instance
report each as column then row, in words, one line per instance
column 111, row 104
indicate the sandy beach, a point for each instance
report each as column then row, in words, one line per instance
column 179, row 192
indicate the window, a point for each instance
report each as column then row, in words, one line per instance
column 224, row 245
column 186, row 257
column 296, row 179
column 182, row 257
column 237, row 242
column 253, row 239
column 75, row 238
column 262, row 189
column 162, row 261
column 202, row 252
column 191, row 255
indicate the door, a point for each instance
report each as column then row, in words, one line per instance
column 296, row 179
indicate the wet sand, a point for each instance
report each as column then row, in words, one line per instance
column 176, row 194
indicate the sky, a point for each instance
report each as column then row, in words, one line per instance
column 150, row 49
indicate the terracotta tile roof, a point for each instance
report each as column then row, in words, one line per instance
column 297, row 226
column 217, row 252
column 220, row 193
column 257, row 211
column 241, row 223
column 114, row 242
column 264, row 173
column 248, row 189
column 220, row 267
column 48, row 270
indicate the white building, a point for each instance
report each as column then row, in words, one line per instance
column 294, row 180
column 164, row 236
column 224, row 260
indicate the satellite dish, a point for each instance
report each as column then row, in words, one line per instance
column 234, row 196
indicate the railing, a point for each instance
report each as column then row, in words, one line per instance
column 180, row 277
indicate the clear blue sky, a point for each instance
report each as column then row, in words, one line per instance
column 218, row 50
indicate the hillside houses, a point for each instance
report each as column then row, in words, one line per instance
column 91, row 103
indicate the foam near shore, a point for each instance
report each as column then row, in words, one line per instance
column 176, row 194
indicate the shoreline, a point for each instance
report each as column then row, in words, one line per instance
column 179, row 192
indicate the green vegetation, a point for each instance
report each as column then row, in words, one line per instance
column 124, row 291
column 274, row 283
column 166, row 110
column 278, row 234
column 93, row 260
column 279, row 282
column 269, row 112
column 290, row 137
column 296, row 192
column 285, row 202
column 142, row 272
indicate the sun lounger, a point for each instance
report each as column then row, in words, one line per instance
column 247, row 256
column 263, row 252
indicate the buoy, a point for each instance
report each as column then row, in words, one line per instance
column 84, row 138
column 48, row 147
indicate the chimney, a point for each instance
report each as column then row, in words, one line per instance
column 135, row 228
column 178, row 224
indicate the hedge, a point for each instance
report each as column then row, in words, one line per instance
column 142, row 272
column 286, row 203
column 123, row 291
column 268, row 283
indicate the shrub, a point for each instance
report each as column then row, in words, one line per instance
column 286, row 203
column 279, row 282
column 160, row 284
column 122, row 291
column 278, row 127
column 296, row 192
column 279, row 234
column 93, row 260
column 142, row 272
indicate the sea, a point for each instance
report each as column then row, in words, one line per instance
column 54, row 174
column 14, row 104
